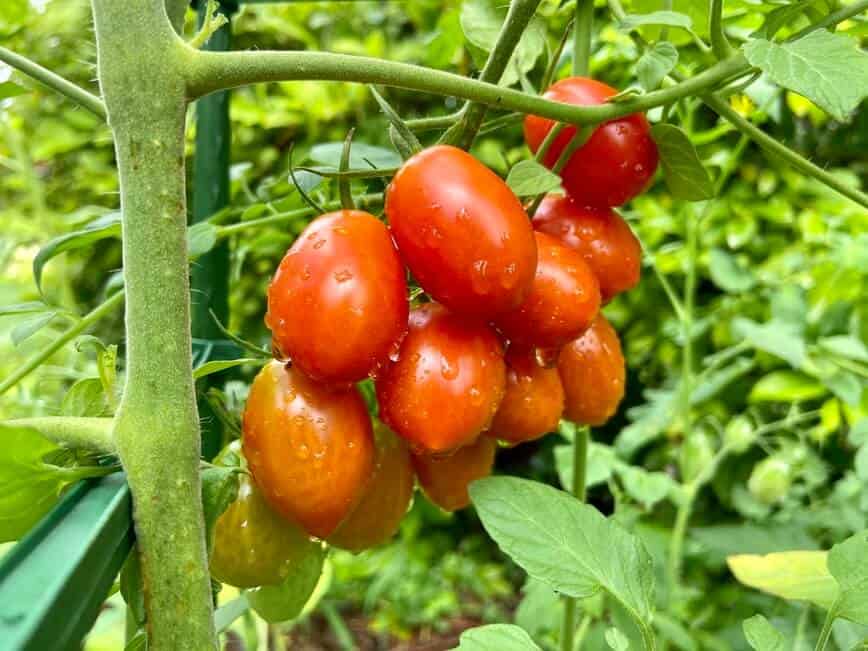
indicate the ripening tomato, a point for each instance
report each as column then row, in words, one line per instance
column 310, row 449
column 445, row 479
column 592, row 372
column 337, row 305
column 462, row 232
column 614, row 165
column 386, row 499
column 533, row 402
column 600, row 235
column 563, row 300
column 255, row 546
column 446, row 383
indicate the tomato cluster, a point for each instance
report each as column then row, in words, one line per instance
column 506, row 340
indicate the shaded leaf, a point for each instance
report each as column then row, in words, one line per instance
column 663, row 18
column 727, row 274
column 11, row 89
column 774, row 337
column 201, row 238
column 217, row 365
column 655, row 64
column 762, row 636
column 219, row 490
column 684, row 173
column 503, row 637
column 362, row 156
column 286, row 601
column 529, row 178
column 85, row 398
column 30, row 326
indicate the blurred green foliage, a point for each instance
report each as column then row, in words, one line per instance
column 779, row 334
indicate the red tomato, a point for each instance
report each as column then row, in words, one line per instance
column 602, row 237
column 386, row 499
column 445, row 479
column 337, row 305
column 534, row 399
column 592, row 372
column 462, row 232
column 447, row 382
column 563, row 300
column 310, row 449
column 614, row 165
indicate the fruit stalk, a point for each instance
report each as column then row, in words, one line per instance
column 156, row 428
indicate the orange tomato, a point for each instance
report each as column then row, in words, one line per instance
column 445, row 479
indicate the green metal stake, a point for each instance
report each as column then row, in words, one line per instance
column 209, row 278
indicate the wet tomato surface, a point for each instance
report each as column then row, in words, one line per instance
column 445, row 479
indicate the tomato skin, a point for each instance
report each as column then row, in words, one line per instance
column 445, row 479
column 310, row 449
column 376, row 517
column 600, row 235
column 592, row 372
column 462, row 232
column 563, row 300
column 337, row 305
column 533, row 402
column 255, row 546
column 616, row 163
column 447, row 382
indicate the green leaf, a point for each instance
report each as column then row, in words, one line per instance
column 11, row 89
column 799, row 575
column 845, row 346
column 847, row 563
column 781, row 16
column 646, row 487
column 481, row 21
column 219, row 490
column 403, row 139
column 500, row 637
column 107, row 226
column 30, row 326
column 201, row 238
column 712, row 384
column 727, row 274
column 283, row 602
column 132, row 587
column 218, row 365
column 362, row 156
column 540, row 608
column 617, row 640
column 685, row 175
column 762, row 636
column 786, row 386
column 600, row 464
column 31, row 307
column 774, row 337
column 229, row 612
column 845, row 385
column 655, row 64
column 664, row 18
column 829, row 69
column 565, row 543
column 529, row 178
column 29, row 487
column 85, row 398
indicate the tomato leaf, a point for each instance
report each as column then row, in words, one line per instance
column 798, row 575
column 219, row 490
column 829, row 69
column 786, row 386
column 107, row 226
column 217, row 365
column 847, row 564
column 657, row 62
column 774, row 337
column 29, row 487
column 665, row 18
column 85, row 398
column 529, row 178
column 616, row 640
column 201, row 238
column 781, row 16
column 567, row 544
column 362, row 156
column 286, row 601
column 30, row 326
column 685, row 175
column 762, row 636
column 31, row 307
column 727, row 274
column 11, row 89
column 503, row 637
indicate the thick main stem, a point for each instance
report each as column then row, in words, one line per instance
column 156, row 427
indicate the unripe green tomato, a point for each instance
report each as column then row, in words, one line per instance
column 739, row 434
column 255, row 546
column 697, row 451
column 770, row 480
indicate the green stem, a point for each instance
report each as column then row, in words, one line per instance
column 156, row 427
column 582, row 31
column 55, row 82
column 517, row 18
column 80, row 326
column 826, row 631
column 833, row 19
column 211, row 71
column 767, row 142
column 581, row 440
column 719, row 43
column 73, row 432
column 433, row 123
